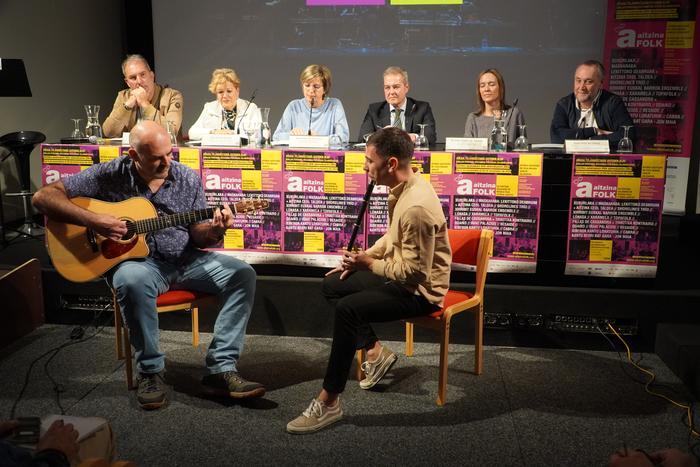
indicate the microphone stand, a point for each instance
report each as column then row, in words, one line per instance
column 509, row 112
column 311, row 109
column 580, row 125
column 240, row 119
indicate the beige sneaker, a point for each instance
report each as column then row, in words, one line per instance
column 317, row 416
column 375, row 371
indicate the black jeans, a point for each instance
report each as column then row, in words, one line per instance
column 361, row 299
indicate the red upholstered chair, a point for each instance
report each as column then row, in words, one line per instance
column 172, row 300
column 471, row 248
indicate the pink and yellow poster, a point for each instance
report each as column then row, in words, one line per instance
column 652, row 56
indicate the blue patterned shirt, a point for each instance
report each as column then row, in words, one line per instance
column 117, row 180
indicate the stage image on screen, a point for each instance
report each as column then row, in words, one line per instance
column 443, row 45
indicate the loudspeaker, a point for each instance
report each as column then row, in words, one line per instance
column 23, row 301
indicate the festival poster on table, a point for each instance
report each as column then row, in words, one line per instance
column 107, row 153
column 436, row 168
column 501, row 192
column 62, row 160
column 232, row 175
column 615, row 215
column 653, row 58
column 323, row 193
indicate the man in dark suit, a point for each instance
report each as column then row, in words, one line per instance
column 399, row 110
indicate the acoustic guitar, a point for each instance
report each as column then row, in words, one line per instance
column 79, row 254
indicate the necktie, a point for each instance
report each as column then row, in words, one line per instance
column 397, row 118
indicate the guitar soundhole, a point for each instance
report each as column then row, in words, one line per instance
column 130, row 231
column 114, row 249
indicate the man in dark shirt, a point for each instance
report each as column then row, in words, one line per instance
column 590, row 112
column 175, row 259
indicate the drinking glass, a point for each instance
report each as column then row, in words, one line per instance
column 77, row 132
column 625, row 144
column 421, row 139
column 521, row 143
column 249, row 128
column 335, row 142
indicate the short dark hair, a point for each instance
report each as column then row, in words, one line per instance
column 599, row 67
column 392, row 142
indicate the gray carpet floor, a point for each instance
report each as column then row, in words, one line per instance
column 531, row 407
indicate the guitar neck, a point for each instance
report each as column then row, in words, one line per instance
column 172, row 220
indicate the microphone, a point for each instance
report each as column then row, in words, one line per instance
column 509, row 112
column 311, row 109
column 363, row 208
column 250, row 101
column 580, row 125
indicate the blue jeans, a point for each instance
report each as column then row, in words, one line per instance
column 138, row 283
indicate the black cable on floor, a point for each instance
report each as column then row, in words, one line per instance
column 57, row 388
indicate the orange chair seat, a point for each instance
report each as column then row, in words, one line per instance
column 452, row 297
column 172, row 300
column 176, row 297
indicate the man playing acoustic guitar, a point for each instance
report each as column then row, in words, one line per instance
column 175, row 258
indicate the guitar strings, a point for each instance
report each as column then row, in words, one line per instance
column 171, row 220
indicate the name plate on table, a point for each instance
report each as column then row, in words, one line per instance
column 587, row 146
column 466, row 144
column 305, row 141
column 125, row 138
column 214, row 139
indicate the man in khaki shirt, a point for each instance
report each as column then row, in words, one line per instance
column 143, row 100
column 404, row 274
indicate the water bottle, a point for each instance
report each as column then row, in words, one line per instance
column 499, row 136
column 265, row 132
column 170, row 126
column 93, row 127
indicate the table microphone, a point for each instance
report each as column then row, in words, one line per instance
column 250, row 101
column 581, row 125
column 311, row 109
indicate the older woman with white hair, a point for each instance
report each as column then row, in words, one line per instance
column 228, row 113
